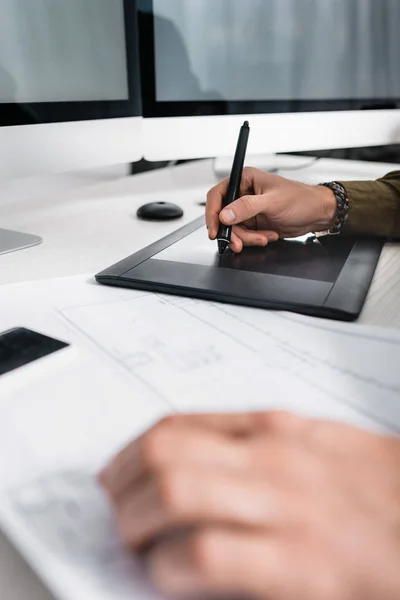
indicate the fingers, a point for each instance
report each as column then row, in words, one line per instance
column 216, row 561
column 254, row 238
column 243, row 209
column 242, row 424
column 216, row 195
column 215, row 198
column 183, row 497
column 235, row 424
column 236, row 244
column 176, row 442
column 201, row 439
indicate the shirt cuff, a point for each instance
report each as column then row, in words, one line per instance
column 374, row 209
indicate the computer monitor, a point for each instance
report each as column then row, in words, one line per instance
column 307, row 74
column 69, row 89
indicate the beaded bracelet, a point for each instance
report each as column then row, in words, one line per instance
column 342, row 210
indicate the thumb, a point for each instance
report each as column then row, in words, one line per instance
column 242, row 209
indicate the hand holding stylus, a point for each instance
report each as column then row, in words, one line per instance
column 269, row 207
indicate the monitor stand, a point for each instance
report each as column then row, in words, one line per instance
column 11, row 241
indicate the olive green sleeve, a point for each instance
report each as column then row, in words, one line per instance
column 374, row 207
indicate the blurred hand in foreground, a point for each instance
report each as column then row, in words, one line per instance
column 268, row 506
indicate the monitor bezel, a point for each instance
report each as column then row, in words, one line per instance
column 12, row 114
column 152, row 108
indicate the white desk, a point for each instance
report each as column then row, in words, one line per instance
column 88, row 222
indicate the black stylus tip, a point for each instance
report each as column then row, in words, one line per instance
column 222, row 246
column 246, row 124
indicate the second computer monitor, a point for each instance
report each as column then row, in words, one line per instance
column 307, row 74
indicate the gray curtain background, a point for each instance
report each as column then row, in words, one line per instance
column 278, row 49
column 58, row 50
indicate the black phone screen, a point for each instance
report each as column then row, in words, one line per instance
column 20, row 346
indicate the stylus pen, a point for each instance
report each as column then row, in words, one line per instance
column 233, row 191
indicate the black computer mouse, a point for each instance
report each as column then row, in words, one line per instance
column 159, row 211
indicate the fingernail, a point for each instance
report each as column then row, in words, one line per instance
column 228, row 215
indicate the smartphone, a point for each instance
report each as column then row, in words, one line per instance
column 21, row 346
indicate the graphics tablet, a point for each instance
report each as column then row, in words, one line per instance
column 327, row 277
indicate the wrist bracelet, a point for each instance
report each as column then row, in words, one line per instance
column 342, row 209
